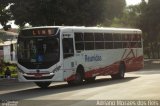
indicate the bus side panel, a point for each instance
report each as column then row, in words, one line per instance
column 69, row 68
column 58, row 70
column 107, row 65
column 106, row 62
column 111, row 60
column 134, row 61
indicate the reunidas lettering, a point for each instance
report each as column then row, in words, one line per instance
column 93, row 58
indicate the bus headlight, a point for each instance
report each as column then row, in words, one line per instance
column 51, row 73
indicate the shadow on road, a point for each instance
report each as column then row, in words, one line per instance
column 62, row 88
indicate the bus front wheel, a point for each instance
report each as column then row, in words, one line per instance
column 78, row 79
column 43, row 84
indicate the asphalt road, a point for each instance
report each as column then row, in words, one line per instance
column 140, row 85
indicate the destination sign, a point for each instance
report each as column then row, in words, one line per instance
column 39, row 32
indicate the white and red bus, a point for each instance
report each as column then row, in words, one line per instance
column 74, row 54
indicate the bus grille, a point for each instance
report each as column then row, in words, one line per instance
column 38, row 78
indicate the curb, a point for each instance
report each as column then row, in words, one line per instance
column 11, row 80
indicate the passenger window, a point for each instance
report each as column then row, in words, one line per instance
column 78, row 37
column 117, row 45
column 88, row 37
column 108, row 45
column 108, row 37
column 99, row 45
column 79, row 46
column 99, row 37
column 129, row 37
column 89, row 41
column 89, row 45
column 117, row 37
column 79, row 43
column 99, row 40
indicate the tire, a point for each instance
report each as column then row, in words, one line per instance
column 92, row 79
column 43, row 84
column 121, row 73
column 70, row 82
column 78, row 78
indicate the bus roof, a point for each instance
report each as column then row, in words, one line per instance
column 91, row 29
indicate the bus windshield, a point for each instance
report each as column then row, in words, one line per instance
column 38, row 52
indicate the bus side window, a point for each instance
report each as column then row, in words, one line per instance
column 68, row 49
column 79, row 42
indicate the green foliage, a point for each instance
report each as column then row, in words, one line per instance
column 11, row 67
column 4, row 36
column 5, row 14
column 66, row 12
column 150, row 24
column 145, row 16
column 131, row 16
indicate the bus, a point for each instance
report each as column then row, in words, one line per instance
column 77, row 54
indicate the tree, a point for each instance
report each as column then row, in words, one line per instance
column 66, row 12
column 5, row 15
column 150, row 24
column 129, row 19
column 131, row 16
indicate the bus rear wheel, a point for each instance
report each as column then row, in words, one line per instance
column 121, row 73
column 43, row 84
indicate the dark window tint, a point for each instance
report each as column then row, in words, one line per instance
column 88, row 37
column 79, row 46
column 132, row 37
column 138, row 37
column 128, row 37
column 134, row 44
column 126, row 44
column 139, row 45
column 117, row 45
column 123, row 37
column 79, row 41
column 78, row 36
column 89, row 45
column 108, row 37
column 108, row 45
column 99, row 45
column 99, row 37
column 117, row 37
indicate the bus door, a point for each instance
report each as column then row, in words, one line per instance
column 68, row 55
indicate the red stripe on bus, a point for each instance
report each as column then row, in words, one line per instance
column 132, row 64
